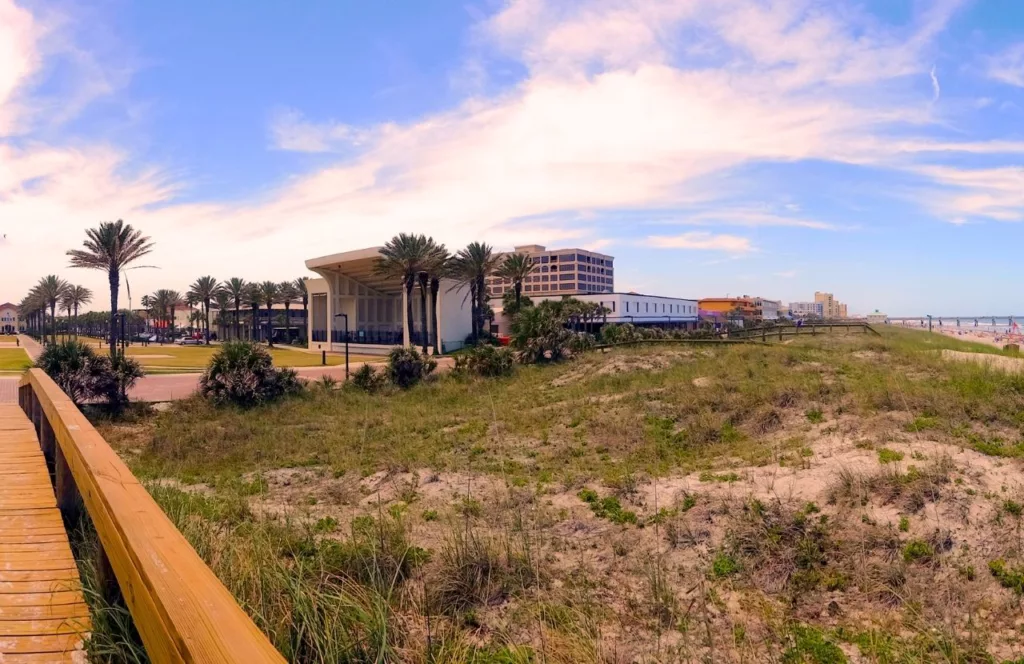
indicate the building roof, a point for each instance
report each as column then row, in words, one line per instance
column 8, row 305
column 359, row 265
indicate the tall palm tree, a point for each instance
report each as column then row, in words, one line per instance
column 110, row 247
column 471, row 267
column 437, row 267
column 253, row 297
column 516, row 268
column 174, row 300
column 51, row 290
column 204, row 290
column 303, row 290
column 270, row 295
column 236, row 288
column 288, row 293
column 223, row 300
column 190, row 302
column 75, row 298
column 404, row 257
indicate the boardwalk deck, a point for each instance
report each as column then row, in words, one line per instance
column 43, row 616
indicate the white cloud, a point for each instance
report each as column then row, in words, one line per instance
column 733, row 244
column 1008, row 66
column 787, row 274
column 936, row 90
column 748, row 217
column 994, row 193
column 289, row 130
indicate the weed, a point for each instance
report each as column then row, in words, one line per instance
column 708, row 476
column 607, row 508
column 723, row 565
column 1008, row 577
column 815, row 416
column 916, row 551
column 811, row 647
column 904, row 524
column 885, row 455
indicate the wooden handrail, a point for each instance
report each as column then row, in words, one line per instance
column 181, row 609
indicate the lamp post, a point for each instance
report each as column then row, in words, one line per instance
column 345, row 316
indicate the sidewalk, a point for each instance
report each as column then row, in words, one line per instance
column 31, row 346
column 172, row 387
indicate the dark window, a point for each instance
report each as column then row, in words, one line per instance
column 565, row 287
column 544, row 259
column 613, row 306
column 566, row 277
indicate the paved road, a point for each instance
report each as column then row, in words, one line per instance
column 31, row 346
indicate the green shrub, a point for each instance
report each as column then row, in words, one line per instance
column 904, row 524
column 607, row 508
column 486, row 360
column 407, row 367
column 917, row 551
column 723, row 565
column 368, row 379
column 84, row 374
column 815, row 416
column 885, row 455
column 811, row 647
column 243, row 374
column 1008, row 577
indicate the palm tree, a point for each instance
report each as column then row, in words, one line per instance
column 471, row 267
column 438, row 266
column 252, row 295
column 75, row 298
column 223, row 300
column 288, row 294
column 110, row 247
column 51, row 290
column 236, row 289
column 404, row 257
column 203, row 291
column 303, row 290
column 190, row 302
column 516, row 268
column 270, row 295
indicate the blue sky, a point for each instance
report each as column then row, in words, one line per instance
column 872, row 149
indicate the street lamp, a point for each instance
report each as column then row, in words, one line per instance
column 345, row 316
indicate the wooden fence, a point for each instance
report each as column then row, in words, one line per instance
column 181, row 609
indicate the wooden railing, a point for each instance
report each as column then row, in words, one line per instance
column 181, row 609
column 778, row 331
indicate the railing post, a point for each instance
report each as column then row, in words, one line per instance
column 47, row 441
column 69, row 501
column 37, row 413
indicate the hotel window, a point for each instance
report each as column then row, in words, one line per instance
column 544, row 259
column 613, row 306
column 627, row 306
column 565, row 287
column 647, row 307
column 544, row 268
column 566, row 277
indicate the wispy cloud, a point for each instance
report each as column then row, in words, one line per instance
column 751, row 217
column 733, row 244
column 1008, row 66
column 290, row 130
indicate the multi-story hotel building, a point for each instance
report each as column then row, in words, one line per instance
column 10, row 322
column 560, row 272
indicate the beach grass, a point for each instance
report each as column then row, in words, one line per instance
column 672, row 504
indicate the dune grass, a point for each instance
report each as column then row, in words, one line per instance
column 171, row 358
column 517, row 565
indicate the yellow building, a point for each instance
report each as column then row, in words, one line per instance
column 727, row 307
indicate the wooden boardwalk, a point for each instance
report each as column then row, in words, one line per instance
column 43, row 616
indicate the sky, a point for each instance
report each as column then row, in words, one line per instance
column 871, row 149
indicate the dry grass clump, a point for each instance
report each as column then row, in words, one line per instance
column 910, row 490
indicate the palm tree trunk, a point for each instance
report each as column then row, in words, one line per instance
column 474, row 322
column 270, row 325
column 114, row 278
column 206, row 320
column 435, row 288
column 519, row 292
column 423, row 311
column 238, row 325
column 408, row 307
column 288, row 321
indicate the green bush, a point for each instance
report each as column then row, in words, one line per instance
column 542, row 333
column 407, row 367
column 368, row 379
column 85, row 375
column 243, row 374
column 487, row 361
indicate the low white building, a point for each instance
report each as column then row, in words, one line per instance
column 877, row 317
column 374, row 308
column 635, row 308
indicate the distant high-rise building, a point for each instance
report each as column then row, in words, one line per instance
column 831, row 307
column 560, row 272
column 806, row 310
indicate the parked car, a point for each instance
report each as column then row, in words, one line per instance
column 189, row 341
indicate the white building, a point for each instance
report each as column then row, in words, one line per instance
column 374, row 307
column 877, row 317
column 10, row 321
column 635, row 308
column 806, row 310
column 767, row 309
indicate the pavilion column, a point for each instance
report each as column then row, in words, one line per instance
column 440, row 316
column 405, row 317
column 330, row 310
column 430, row 317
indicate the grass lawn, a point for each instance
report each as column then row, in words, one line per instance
column 7, row 338
column 178, row 359
column 791, row 502
column 14, row 360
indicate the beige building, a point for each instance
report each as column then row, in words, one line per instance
column 373, row 307
column 10, row 320
column 560, row 272
column 830, row 306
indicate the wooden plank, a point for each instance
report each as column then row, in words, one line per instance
column 43, row 617
column 80, row 610
column 182, row 611
column 43, row 627
column 39, row 644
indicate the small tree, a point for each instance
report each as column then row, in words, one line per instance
column 243, row 374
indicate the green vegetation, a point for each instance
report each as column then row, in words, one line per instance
column 243, row 374
column 14, row 360
column 529, row 518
